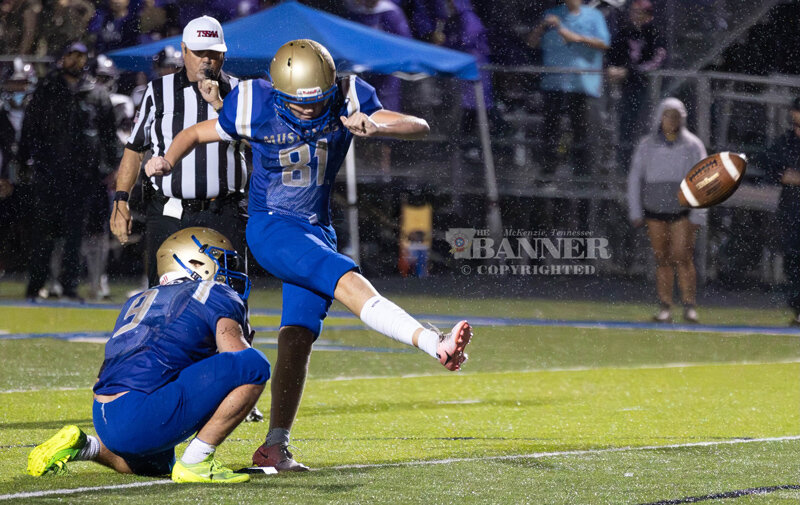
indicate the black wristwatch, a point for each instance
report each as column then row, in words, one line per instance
column 121, row 196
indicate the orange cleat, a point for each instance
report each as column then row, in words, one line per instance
column 278, row 457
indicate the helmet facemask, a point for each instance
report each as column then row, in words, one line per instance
column 306, row 128
column 226, row 261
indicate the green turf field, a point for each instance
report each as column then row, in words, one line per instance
column 539, row 415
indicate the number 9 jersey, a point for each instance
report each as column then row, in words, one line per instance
column 162, row 331
column 292, row 175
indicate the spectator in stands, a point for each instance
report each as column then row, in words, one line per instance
column 222, row 10
column 382, row 15
column 68, row 134
column 386, row 16
column 7, row 214
column 637, row 48
column 464, row 31
column 66, row 21
column 14, row 96
column 100, row 186
column 455, row 25
column 504, row 22
column 157, row 21
column 114, row 25
column 612, row 11
column 707, row 15
column 783, row 166
column 168, row 61
column 7, row 136
column 422, row 15
column 19, row 21
column 660, row 162
column 571, row 35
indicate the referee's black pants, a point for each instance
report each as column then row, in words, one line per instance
column 227, row 216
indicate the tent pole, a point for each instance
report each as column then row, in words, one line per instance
column 352, row 200
column 493, row 215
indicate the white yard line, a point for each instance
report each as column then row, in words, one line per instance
column 574, row 369
column 585, row 452
column 534, row 455
column 37, row 494
column 35, row 390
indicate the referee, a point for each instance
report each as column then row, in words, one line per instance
column 207, row 187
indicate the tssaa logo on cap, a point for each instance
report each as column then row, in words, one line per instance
column 207, row 33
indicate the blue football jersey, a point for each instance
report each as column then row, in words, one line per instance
column 162, row 331
column 292, row 176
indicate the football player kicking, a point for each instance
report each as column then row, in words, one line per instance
column 177, row 363
column 300, row 125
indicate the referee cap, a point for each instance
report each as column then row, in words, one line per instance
column 204, row 34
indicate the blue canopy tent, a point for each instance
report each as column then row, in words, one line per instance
column 253, row 40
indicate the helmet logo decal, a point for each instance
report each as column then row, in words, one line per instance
column 308, row 92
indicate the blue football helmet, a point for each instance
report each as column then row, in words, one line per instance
column 303, row 72
column 203, row 254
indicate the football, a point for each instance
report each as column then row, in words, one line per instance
column 712, row 180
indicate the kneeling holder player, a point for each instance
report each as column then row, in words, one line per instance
column 178, row 363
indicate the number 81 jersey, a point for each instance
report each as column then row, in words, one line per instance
column 292, row 176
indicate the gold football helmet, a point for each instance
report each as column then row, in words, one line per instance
column 202, row 254
column 303, row 72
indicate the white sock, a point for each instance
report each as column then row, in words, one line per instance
column 429, row 342
column 385, row 317
column 277, row 436
column 89, row 451
column 197, row 451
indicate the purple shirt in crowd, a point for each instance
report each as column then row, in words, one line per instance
column 388, row 17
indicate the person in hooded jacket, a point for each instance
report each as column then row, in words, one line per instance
column 660, row 162
column 69, row 139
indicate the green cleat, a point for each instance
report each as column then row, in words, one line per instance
column 208, row 471
column 52, row 456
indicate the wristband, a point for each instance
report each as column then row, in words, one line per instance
column 121, row 196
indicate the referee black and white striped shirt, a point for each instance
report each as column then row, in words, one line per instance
column 171, row 104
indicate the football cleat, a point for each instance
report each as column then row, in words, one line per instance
column 208, row 471
column 451, row 346
column 52, row 456
column 278, row 457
